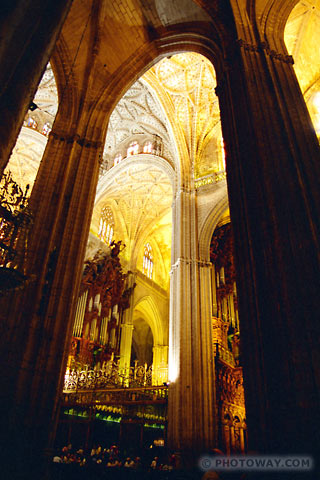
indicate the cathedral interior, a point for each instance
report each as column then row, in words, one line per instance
column 159, row 234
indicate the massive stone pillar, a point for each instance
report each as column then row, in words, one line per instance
column 273, row 174
column 38, row 320
column 191, row 428
column 29, row 30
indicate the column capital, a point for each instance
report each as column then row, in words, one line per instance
column 160, row 347
column 127, row 326
column 183, row 189
column 264, row 47
column 190, row 261
column 240, row 44
column 82, row 141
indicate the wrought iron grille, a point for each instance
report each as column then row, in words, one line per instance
column 15, row 222
column 109, row 376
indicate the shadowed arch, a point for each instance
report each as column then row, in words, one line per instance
column 68, row 96
column 147, row 307
column 270, row 17
column 209, row 225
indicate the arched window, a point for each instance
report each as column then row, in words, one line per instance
column 133, row 148
column 147, row 267
column 117, row 159
column 106, row 226
column 148, row 146
column 32, row 123
column 46, row 129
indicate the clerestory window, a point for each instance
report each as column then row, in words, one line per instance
column 148, row 147
column 106, row 226
column 147, row 267
column 133, row 149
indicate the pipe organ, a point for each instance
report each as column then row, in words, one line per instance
column 102, row 300
column 226, row 344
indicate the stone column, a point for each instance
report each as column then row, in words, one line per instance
column 191, row 392
column 242, row 443
column 39, row 320
column 29, row 30
column 127, row 329
column 160, row 364
column 233, row 446
column 231, row 310
column 214, row 291
column 273, row 174
column 125, row 347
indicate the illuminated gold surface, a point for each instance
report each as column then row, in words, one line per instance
column 302, row 38
column 140, row 197
column 26, row 155
column 187, row 108
column 189, row 80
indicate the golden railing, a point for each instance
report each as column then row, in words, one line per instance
column 222, row 353
column 117, row 396
column 111, row 376
column 112, row 385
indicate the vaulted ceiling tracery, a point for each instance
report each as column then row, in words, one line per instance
column 175, row 99
column 138, row 112
column 190, row 81
column 31, row 143
column 47, row 95
column 140, row 195
column 26, row 155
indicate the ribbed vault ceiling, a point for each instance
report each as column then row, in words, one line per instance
column 176, row 101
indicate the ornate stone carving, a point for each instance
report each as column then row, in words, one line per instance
column 263, row 46
column 230, row 385
column 104, row 275
column 84, row 142
column 138, row 112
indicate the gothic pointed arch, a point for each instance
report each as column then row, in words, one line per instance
column 146, row 57
column 149, row 310
column 209, row 223
column 68, row 95
column 270, row 18
column 33, row 137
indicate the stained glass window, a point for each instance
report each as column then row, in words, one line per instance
column 117, row 159
column 147, row 267
column 106, row 226
column 46, row 129
column 32, row 123
column 133, row 149
column 148, row 147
